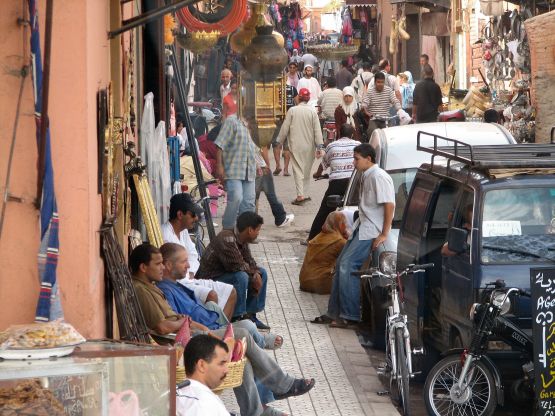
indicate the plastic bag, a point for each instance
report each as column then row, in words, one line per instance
column 125, row 403
column 158, row 172
column 40, row 335
column 404, row 117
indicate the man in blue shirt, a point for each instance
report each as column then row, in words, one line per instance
column 183, row 301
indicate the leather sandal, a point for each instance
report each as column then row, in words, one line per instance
column 300, row 386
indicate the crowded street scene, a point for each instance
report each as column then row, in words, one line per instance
column 277, row 208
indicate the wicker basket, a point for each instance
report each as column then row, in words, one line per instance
column 332, row 53
column 234, row 376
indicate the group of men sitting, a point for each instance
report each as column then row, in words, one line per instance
column 172, row 284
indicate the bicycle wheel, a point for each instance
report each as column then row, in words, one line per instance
column 402, row 372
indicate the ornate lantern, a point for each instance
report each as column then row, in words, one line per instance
column 243, row 38
column 264, row 59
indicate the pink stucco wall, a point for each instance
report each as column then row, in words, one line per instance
column 79, row 67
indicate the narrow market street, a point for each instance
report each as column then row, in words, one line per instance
column 346, row 380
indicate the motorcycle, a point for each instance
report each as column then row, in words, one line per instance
column 468, row 382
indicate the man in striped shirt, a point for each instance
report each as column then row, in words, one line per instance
column 339, row 158
column 377, row 102
column 329, row 99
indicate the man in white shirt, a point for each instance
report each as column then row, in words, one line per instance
column 376, row 207
column 184, row 212
column 225, row 87
column 206, row 368
column 311, row 84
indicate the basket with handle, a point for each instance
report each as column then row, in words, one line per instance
column 234, row 377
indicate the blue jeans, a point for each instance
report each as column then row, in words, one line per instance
column 265, row 183
column 247, row 300
column 344, row 300
column 240, row 198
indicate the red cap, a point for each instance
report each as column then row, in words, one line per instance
column 304, row 93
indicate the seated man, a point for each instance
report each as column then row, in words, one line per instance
column 206, row 368
column 184, row 212
column 182, row 300
column 322, row 253
column 228, row 259
column 146, row 265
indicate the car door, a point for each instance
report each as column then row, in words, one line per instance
column 457, row 292
column 411, row 246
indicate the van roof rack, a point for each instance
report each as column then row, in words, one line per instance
column 483, row 157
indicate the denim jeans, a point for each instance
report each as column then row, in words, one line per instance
column 265, row 183
column 266, row 370
column 344, row 299
column 240, row 198
column 247, row 300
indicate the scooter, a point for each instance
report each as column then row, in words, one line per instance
column 467, row 382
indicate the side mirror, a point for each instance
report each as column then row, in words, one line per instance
column 334, row 201
column 456, row 240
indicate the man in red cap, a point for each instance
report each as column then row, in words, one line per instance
column 301, row 128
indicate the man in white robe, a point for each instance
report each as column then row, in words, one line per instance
column 301, row 128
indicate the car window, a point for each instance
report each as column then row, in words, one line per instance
column 445, row 205
column 518, row 225
column 416, row 213
column 402, row 182
column 353, row 197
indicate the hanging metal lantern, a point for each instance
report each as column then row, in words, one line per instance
column 264, row 59
column 243, row 38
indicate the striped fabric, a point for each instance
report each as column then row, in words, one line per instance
column 339, row 158
column 329, row 100
column 49, row 305
column 379, row 103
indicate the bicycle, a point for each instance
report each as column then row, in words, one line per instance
column 398, row 352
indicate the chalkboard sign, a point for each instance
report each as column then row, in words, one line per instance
column 542, row 283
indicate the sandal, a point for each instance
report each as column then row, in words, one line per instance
column 277, row 171
column 272, row 341
column 300, row 386
column 302, row 201
column 286, row 174
column 344, row 324
column 322, row 319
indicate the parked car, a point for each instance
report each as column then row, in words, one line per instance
column 488, row 214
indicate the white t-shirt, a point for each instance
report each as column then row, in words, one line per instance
column 376, row 189
column 198, row 400
column 169, row 236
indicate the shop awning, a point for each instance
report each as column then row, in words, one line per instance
column 361, row 3
column 430, row 4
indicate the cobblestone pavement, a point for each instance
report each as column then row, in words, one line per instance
column 346, row 380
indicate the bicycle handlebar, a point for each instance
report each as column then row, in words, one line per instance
column 410, row 269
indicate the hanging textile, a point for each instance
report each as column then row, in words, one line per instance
column 173, row 145
column 158, row 172
column 49, row 305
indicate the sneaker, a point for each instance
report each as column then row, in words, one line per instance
column 259, row 324
column 289, row 218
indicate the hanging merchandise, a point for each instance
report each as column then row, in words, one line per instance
column 169, row 26
column 225, row 25
column 158, row 172
column 148, row 211
column 393, row 34
column 49, row 306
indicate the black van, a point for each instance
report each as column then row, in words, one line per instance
column 499, row 203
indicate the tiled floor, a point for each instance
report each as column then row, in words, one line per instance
column 345, row 385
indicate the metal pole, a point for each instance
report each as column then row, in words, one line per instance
column 192, row 145
column 149, row 16
column 44, row 106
